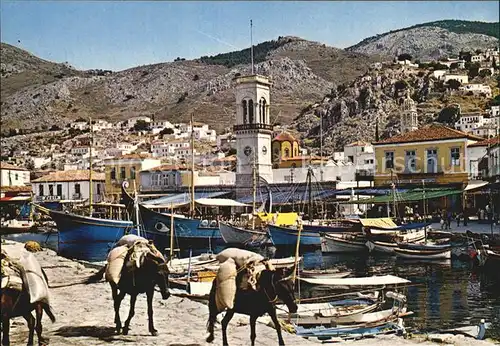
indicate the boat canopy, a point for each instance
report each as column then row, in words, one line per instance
column 364, row 281
column 410, row 196
column 381, row 222
column 220, row 202
column 183, row 198
column 281, row 219
column 475, row 185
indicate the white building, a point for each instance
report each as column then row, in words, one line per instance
column 359, row 154
column 80, row 150
column 80, row 125
column 184, row 153
column 494, row 111
column 462, row 78
column 132, row 121
column 38, row 162
column 100, row 125
column 486, row 131
column 126, row 147
column 69, row 185
column 469, row 122
column 226, row 140
column 439, row 74
column 476, row 89
column 475, row 153
column 12, row 175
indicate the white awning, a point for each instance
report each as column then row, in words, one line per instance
column 220, row 202
column 475, row 185
column 364, row 281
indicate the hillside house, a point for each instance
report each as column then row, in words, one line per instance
column 132, row 121
column 68, row 186
column 476, row 89
column 80, row 125
column 469, row 122
column 485, row 131
column 461, row 77
column 13, row 175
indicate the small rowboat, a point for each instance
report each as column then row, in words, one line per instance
column 380, row 246
column 325, row 274
column 233, row 234
column 410, row 246
column 423, row 254
column 335, row 243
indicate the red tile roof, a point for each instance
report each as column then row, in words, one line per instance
column 5, row 165
column 284, row 136
column 21, row 188
column 358, row 144
column 168, row 168
column 75, row 175
column 487, row 142
column 432, row 132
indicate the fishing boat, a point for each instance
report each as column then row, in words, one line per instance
column 331, row 226
column 423, row 254
column 343, row 242
column 16, row 226
column 424, row 246
column 287, row 236
column 381, row 247
column 235, row 235
column 369, row 281
column 323, row 273
column 344, row 332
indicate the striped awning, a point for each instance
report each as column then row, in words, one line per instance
column 183, row 198
column 15, row 199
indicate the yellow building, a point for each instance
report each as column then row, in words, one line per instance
column 435, row 154
column 126, row 168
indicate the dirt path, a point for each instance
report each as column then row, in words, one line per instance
column 85, row 316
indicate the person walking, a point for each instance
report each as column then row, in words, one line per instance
column 457, row 218
column 449, row 216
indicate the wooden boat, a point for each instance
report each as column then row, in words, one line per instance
column 381, row 247
column 343, row 242
column 16, row 226
column 423, row 254
column 287, row 236
column 331, row 226
column 369, row 281
column 347, row 331
column 287, row 262
column 197, row 263
column 323, row 273
column 88, row 238
column 492, row 257
column 235, row 235
column 426, row 246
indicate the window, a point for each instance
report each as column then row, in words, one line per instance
column 40, row 190
column 410, row 162
column 455, row 156
column 432, row 161
column 389, row 159
column 287, row 152
column 250, row 111
column 350, row 158
column 245, row 111
column 77, row 189
column 123, row 174
column 362, row 149
column 113, row 173
column 98, row 188
column 132, row 173
column 59, row 190
column 16, row 176
column 51, row 190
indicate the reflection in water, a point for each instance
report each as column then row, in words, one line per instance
column 445, row 294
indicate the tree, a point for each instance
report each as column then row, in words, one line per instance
column 494, row 63
column 54, row 128
column 454, row 66
column 449, row 115
column 167, row 131
column 404, row 56
column 473, row 69
column 400, row 85
column 141, row 125
column 454, row 84
column 484, row 73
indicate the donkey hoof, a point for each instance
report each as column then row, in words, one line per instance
column 210, row 338
column 154, row 332
column 125, row 331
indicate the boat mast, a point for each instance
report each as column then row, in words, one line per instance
column 393, row 186
column 425, row 216
column 136, row 209
column 254, row 191
column 90, row 168
column 171, row 231
column 321, row 146
column 192, row 207
column 309, row 184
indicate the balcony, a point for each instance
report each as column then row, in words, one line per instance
column 49, row 198
column 245, row 127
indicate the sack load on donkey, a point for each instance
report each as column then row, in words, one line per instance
column 24, row 288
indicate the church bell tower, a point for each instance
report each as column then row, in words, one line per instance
column 253, row 129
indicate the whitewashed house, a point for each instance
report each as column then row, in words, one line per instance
column 462, row 77
column 80, row 150
column 13, row 175
column 69, row 185
column 80, row 125
column 476, row 89
column 469, row 122
column 132, row 121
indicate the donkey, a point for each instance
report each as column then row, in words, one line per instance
column 17, row 303
column 152, row 272
column 272, row 285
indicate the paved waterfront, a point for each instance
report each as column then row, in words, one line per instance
column 85, row 316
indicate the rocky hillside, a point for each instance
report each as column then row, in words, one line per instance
column 432, row 40
column 37, row 93
column 351, row 111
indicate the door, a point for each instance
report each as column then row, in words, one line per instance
column 410, row 162
column 432, row 160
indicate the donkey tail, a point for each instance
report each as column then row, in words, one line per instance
column 48, row 310
column 96, row 277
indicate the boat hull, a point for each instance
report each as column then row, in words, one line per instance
column 422, row 254
column 336, row 243
column 88, row 238
column 188, row 232
column 284, row 236
column 240, row 236
column 381, row 247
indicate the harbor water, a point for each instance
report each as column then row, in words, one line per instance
column 444, row 294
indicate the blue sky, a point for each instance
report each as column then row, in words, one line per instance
column 118, row 35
